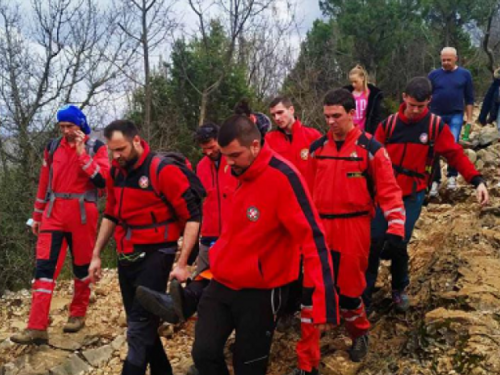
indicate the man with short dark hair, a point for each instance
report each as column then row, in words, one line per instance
column 74, row 168
column 291, row 140
column 413, row 138
column 348, row 172
column 220, row 184
column 258, row 255
column 452, row 92
column 150, row 204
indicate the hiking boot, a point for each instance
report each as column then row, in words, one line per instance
column 74, row 324
column 285, row 322
column 452, row 183
column 434, row 193
column 31, row 337
column 298, row 371
column 192, row 370
column 159, row 304
column 359, row 348
column 401, row 300
column 177, row 293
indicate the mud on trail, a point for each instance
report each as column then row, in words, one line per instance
column 453, row 326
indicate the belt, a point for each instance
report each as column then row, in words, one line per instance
column 408, row 172
column 88, row 196
column 344, row 216
column 128, row 228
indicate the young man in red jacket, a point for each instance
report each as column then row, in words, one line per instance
column 217, row 179
column 73, row 168
column 272, row 222
column 413, row 137
column 348, row 172
column 291, row 140
column 150, row 204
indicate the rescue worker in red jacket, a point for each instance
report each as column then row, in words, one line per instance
column 413, row 137
column 220, row 184
column 150, row 204
column 291, row 140
column 272, row 222
column 73, row 168
column 348, row 172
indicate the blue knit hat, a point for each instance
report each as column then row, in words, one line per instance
column 73, row 114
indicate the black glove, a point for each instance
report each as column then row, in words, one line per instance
column 393, row 244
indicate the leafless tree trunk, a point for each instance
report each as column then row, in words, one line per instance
column 493, row 15
column 148, row 22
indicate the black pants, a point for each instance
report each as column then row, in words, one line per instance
column 192, row 295
column 251, row 313
column 293, row 301
column 144, row 344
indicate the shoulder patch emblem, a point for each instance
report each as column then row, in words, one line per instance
column 253, row 213
column 424, row 138
column 144, row 182
column 304, row 154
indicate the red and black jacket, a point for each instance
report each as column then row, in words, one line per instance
column 293, row 147
column 347, row 183
column 273, row 222
column 408, row 143
column 220, row 185
column 145, row 221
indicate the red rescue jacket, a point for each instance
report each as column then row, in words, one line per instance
column 272, row 220
column 348, row 183
column 293, row 147
column 145, row 221
column 220, row 185
column 71, row 173
column 408, row 146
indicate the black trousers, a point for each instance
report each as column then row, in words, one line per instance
column 251, row 313
column 192, row 295
column 144, row 344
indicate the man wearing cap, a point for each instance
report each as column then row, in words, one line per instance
column 74, row 168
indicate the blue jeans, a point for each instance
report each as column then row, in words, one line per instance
column 455, row 123
column 399, row 259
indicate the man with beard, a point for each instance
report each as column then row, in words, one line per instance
column 74, row 167
column 258, row 255
column 150, row 205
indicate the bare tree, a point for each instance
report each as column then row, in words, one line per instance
column 64, row 51
column 147, row 22
column 236, row 15
column 491, row 39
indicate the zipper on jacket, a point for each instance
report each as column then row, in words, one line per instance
column 218, row 198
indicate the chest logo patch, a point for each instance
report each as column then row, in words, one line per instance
column 424, row 138
column 304, row 154
column 354, row 154
column 144, row 182
column 253, row 213
column 226, row 168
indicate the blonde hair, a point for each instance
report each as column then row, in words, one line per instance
column 361, row 72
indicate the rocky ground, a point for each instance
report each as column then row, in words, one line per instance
column 453, row 326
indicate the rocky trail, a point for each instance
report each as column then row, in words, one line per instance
column 453, row 326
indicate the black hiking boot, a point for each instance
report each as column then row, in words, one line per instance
column 359, row 348
column 159, row 304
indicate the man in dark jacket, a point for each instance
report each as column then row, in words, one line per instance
column 490, row 111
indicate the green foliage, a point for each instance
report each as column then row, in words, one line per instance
column 195, row 66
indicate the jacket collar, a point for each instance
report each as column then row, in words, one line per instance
column 295, row 127
column 353, row 133
column 258, row 166
column 405, row 119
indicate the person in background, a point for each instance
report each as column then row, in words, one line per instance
column 490, row 111
column 368, row 99
column 452, row 93
column 74, row 168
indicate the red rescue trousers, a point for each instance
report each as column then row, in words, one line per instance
column 61, row 230
column 350, row 237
